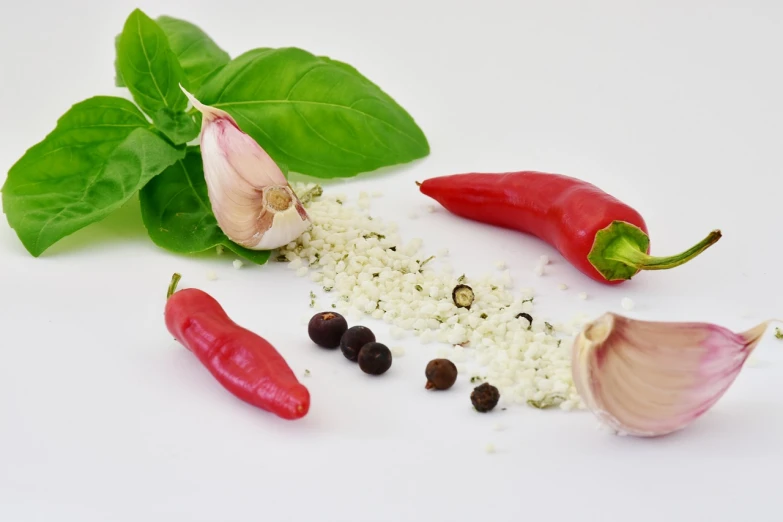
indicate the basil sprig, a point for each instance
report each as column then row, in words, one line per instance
column 312, row 114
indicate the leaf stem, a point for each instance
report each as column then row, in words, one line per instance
column 426, row 261
column 173, row 285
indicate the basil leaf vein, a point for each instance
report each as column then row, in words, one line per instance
column 319, row 116
column 101, row 152
column 151, row 71
column 199, row 55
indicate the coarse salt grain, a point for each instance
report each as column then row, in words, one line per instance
column 539, row 270
column 500, row 265
column 563, row 286
column 489, row 448
column 627, row 303
column 431, row 208
column 543, row 260
column 398, row 351
column 582, row 295
column 211, row 275
column 302, row 271
column 237, row 264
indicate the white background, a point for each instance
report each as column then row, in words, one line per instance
column 672, row 106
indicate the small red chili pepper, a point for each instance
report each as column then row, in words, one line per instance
column 601, row 236
column 243, row 362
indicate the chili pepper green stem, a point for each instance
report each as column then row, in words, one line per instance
column 173, row 285
column 620, row 251
column 625, row 251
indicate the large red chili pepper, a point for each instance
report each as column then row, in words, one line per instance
column 601, row 236
column 243, row 362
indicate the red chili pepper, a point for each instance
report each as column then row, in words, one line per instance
column 601, row 236
column 243, row 362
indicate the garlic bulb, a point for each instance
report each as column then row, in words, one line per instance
column 648, row 379
column 250, row 197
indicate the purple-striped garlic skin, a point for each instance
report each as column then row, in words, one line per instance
column 250, row 197
column 647, row 378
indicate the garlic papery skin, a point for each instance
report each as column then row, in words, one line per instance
column 648, row 379
column 250, row 197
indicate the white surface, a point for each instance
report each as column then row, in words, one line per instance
column 675, row 109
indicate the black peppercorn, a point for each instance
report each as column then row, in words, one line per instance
column 441, row 374
column 375, row 358
column 463, row 296
column 353, row 339
column 484, row 397
column 327, row 328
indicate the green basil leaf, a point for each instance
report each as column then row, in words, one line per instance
column 320, row 117
column 199, row 55
column 176, row 210
column 101, row 152
column 148, row 66
column 179, row 127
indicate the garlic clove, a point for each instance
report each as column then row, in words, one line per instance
column 648, row 378
column 250, row 197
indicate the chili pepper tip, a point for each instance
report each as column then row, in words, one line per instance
column 418, row 183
